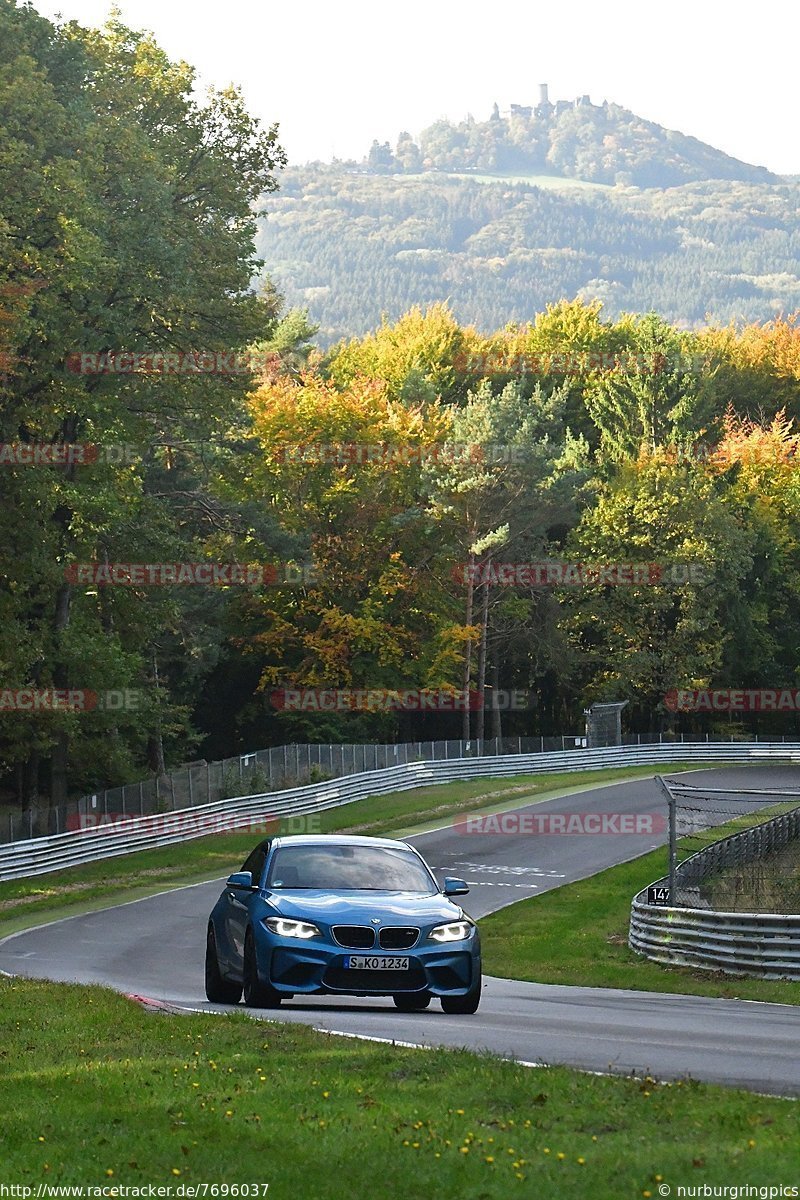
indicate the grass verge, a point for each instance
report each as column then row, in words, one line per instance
column 26, row 902
column 578, row 934
column 98, row 1092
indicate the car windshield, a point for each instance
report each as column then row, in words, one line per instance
column 349, row 868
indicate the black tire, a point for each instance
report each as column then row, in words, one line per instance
column 412, row 1001
column 219, row 990
column 463, row 1005
column 256, row 993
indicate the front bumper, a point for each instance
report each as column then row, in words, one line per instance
column 293, row 967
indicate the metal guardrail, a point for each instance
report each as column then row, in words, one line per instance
column 763, row 944
column 279, row 768
column 39, row 856
column 739, row 943
column 282, row 767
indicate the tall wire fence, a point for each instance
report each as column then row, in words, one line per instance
column 280, row 767
column 258, row 771
column 753, row 867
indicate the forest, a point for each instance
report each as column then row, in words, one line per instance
column 208, row 504
column 352, row 247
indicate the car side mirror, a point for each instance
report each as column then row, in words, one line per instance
column 454, row 887
column 241, row 879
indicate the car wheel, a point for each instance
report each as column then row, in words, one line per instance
column 463, row 1004
column 412, row 1001
column 256, row 993
column 219, row 990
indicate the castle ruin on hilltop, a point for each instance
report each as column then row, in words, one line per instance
column 546, row 109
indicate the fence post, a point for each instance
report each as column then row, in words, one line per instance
column 673, row 850
column 191, row 793
column 673, row 841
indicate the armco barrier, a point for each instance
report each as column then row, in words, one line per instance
column 763, row 944
column 737, row 943
column 39, row 856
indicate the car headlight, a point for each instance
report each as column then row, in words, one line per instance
column 454, row 931
column 293, row 929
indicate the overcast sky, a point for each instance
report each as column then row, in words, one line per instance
column 336, row 75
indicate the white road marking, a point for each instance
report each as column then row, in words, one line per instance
column 494, row 869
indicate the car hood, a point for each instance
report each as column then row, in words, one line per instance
column 358, row 908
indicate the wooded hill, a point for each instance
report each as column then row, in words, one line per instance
column 352, row 247
column 500, row 217
column 599, row 143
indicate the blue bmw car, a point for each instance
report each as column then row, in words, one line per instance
column 343, row 916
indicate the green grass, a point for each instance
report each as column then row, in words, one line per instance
column 97, row 1091
column 578, row 934
column 23, row 902
column 770, row 885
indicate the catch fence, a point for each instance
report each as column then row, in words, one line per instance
column 728, row 903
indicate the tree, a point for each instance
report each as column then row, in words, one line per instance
column 655, row 398
column 132, row 204
column 512, row 481
column 380, row 157
column 638, row 641
column 407, row 154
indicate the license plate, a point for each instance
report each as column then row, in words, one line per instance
column 375, row 962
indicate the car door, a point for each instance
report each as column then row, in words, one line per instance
column 238, row 904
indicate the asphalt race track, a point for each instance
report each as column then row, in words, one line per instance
column 154, row 948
